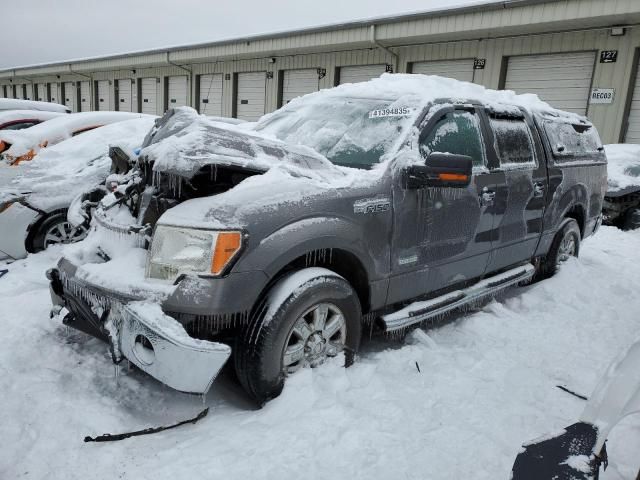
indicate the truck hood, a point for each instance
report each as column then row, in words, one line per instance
column 183, row 142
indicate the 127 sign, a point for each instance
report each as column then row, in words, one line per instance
column 608, row 56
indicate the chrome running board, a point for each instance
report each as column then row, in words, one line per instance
column 420, row 311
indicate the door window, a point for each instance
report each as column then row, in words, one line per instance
column 457, row 133
column 513, row 143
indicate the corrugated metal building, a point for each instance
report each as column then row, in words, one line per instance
column 579, row 55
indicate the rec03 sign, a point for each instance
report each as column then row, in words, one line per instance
column 602, row 95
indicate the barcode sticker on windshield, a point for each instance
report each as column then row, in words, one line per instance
column 390, row 112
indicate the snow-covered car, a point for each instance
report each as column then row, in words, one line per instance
column 23, row 145
column 622, row 202
column 21, row 119
column 34, row 202
column 16, row 104
column 377, row 205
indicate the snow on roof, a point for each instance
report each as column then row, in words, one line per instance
column 58, row 129
column 23, row 115
column 15, row 104
column 59, row 173
column 623, row 169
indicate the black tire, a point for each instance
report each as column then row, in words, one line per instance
column 569, row 229
column 631, row 219
column 41, row 242
column 261, row 345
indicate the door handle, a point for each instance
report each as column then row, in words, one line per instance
column 538, row 190
column 487, row 197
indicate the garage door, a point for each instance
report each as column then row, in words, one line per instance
column 29, row 91
column 360, row 73
column 149, row 95
column 296, row 83
column 458, row 69
column 70, row 95
column 85, row 96
column 250, row 96
column 562, row 80
column 632, row 135
column 125, row 102
column 104, row 95
column 210, row 94
column 54, row 92
column 177, row 91
column 41, row 92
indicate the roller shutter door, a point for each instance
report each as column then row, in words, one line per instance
column 458, row 69
column 360, row 73
column 250, row 97
column 125, row 103
column 632, row 134
column 20, row 91
column 211, row 94
column 149, row 95
column 562, row 80
column 104, row 95
column 177, row 91
column 296, row 83
column 54, row 94
column 85, row 97
column 11, row 91
column 29, row 91
column 41, row 92
column 70, row 95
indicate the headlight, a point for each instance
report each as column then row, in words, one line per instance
column 176, row 251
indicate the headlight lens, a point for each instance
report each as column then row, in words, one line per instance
column 176, row 251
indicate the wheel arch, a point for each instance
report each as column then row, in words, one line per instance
column 34, row 228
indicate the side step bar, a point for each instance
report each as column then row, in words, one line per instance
column 420, row 311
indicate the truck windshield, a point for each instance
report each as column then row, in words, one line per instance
column 351, row 132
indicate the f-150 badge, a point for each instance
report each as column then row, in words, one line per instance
column 372, row 205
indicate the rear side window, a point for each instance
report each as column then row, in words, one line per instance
column 513, row 142
column 19, row 125
column 569, row 141
column 457, row 133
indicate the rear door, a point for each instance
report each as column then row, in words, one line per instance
column 443, row 236
column 521, row 178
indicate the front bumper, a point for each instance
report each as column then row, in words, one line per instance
column 138, row 330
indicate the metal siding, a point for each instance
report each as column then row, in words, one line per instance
column 177, row 91
column 210, row 95
column 125, row 103
column 104, row 95
column 70, row 95
column 458, row 69
column 360, row 73
column 251, row 95
column 296, row 83
column 85, row 96
column 563, row 80
column 149, row 91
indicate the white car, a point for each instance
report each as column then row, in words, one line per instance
column 15, row 104
column 23, row 145
column 35, row 198
column 21, row 119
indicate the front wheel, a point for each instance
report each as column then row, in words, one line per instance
column 309, row 316
column 566, row 244
column 55, row 230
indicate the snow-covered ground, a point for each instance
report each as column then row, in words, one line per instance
column 487, row 383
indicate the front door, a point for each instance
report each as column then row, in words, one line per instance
column 443, row 236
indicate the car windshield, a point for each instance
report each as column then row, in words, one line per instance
column 351, row 132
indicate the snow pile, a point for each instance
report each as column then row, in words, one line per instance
column 15, row 104
column 623, row 169
column 486, row 385
column 59, row 173
column 10, row 116
column 57, row 130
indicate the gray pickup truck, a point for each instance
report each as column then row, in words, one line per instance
column 378, row 205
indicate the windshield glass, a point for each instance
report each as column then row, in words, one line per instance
column 352, row 132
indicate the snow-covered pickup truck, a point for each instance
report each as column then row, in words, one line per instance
column 377, row 205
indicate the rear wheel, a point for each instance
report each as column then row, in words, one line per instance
column 309, row 317
column 56, row 230
column 566, row 244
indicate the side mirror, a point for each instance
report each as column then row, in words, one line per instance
column 440, row 170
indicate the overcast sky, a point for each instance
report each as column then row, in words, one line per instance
column 43, row 31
